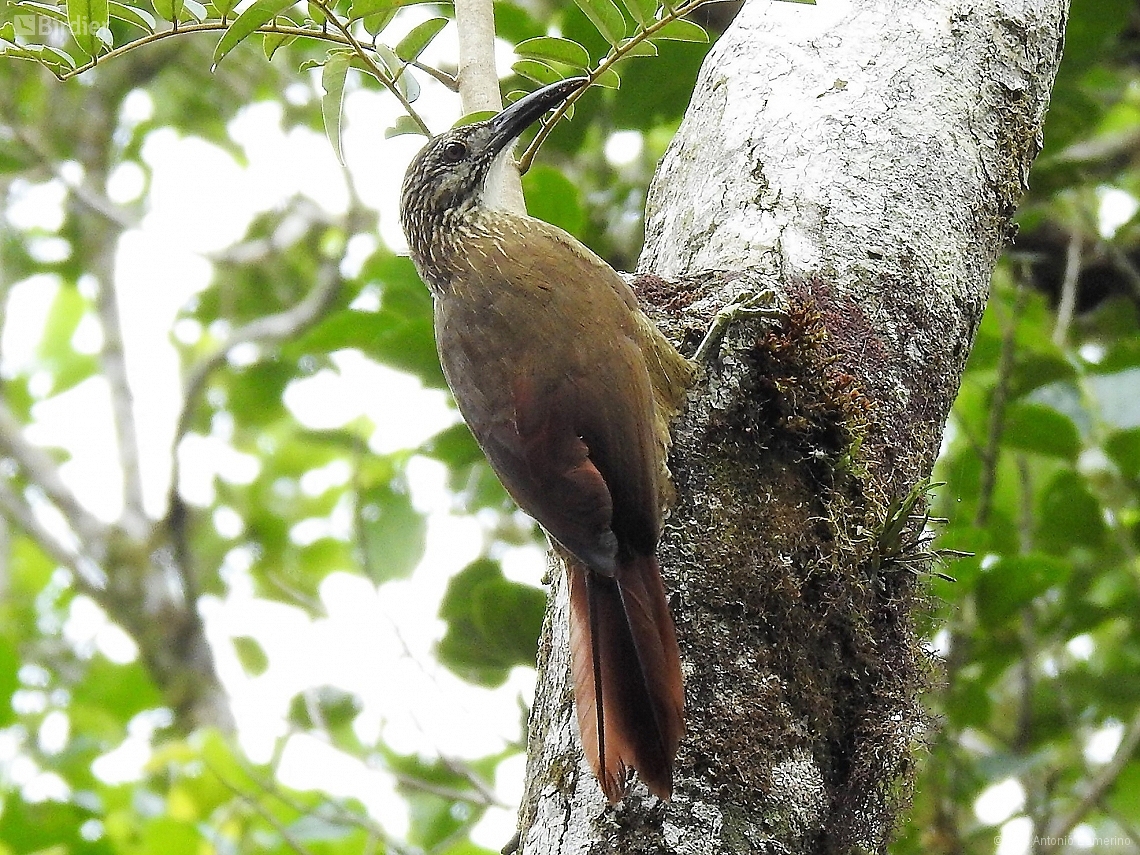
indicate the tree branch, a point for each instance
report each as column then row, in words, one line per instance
column 479, row 82
column 114, row 362
column 379, row 73
column 40, row 469
column 263, row 331
column 992, row 450
column 1068, row 303
column 1059, row 829
column 847, row 200
column 14, row 508
column 91, row 198
column 262, row 811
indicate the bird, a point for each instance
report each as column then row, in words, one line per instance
column 569, row 388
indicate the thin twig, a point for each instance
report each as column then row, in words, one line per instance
column 612, row 58
column 267, row 330
column 1126, row 825
column 377, row 72
column 114, row 362
column 344, row 815
column 345, row 38
column 1027, row 629
column 998, row 403
column 1068, row 302
column 449, row 793
column 1100, row 785
column 40, row 469
column 20, row 514
column 443, row 77
column 468, row 774
column 1124, row 265
column 93, row 200
column 261, row 810
column 112, row 356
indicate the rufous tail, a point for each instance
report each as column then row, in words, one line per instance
column 627, row 675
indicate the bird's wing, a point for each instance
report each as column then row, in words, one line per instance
column 541, row 353
column 547, row 468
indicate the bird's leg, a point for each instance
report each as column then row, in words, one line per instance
column 750, row 304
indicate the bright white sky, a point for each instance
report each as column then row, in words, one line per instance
column 376, row 643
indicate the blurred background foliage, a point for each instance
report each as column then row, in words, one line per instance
column 1038, row 700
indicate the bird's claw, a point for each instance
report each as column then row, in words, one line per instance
column 749, row 304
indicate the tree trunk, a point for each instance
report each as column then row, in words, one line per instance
column 864, row 164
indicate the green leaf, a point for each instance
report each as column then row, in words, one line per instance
column 333, row 77
column 435, row 817
column 608, row 79
column 256, row 15
column 251, row 655
column 1123, row 448
column 1124, row 353
column 169, row 10
column 272, row 42
column 120, row 691
column 455, row 447
column 86, row 18
column 606, row 16
column 163, row 835
column 552, row 197
column 384, row 8
column 556, row 49
column 404, row 125
column 197, row 11
column 56, row 61
column 1012, row 582
column 472, row 118
column 9, row 680
column 407, row 84
column 492, row 624
column 68, row 368
column 539, row 72
column 1124, row 795
column 255, row 391
column 46, row 9
column 133, row 15
column 391, row 532
column 412, row 45
column 1034, row 370
column 643, row 11
column 645, row 47
column 681, row 30
column 47, row 828
column 1068, row 516
column 363, row 8
column 323, row 708
column 224, row 7
column 1041, row 429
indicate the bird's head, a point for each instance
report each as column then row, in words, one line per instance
column 448, row 178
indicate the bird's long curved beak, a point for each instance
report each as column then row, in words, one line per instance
column 515, row 119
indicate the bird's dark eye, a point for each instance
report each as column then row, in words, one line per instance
column 454, row 152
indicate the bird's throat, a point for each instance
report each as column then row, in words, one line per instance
column 496, row 195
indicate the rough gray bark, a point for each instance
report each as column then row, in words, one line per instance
column 863, row 163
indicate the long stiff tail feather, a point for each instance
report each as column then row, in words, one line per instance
column 627, row 675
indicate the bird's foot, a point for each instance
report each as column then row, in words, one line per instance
column 750, row 304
